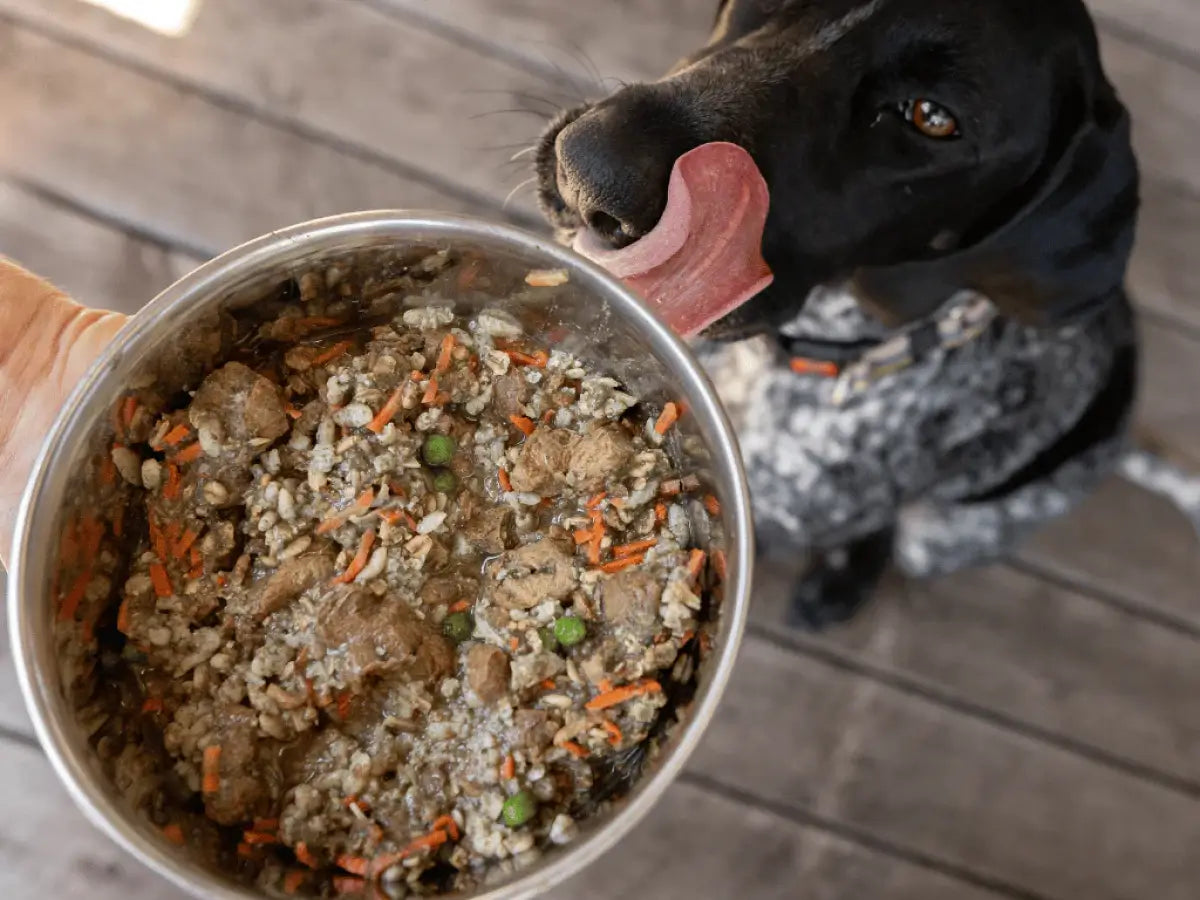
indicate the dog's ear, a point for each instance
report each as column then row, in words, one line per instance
column 1065, row 248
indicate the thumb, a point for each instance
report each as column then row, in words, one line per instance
column 47, row 342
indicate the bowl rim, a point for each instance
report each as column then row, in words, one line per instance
column 51, row 715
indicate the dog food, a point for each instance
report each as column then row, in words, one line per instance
column 410, row 599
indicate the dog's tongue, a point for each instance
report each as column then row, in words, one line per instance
column 703, row 259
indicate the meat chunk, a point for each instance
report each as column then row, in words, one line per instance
column 381, row 636
column 532, row 728
column 235, row 403
column 531, row 574
column 510, row 393
column 544, row 460
column 487, row 672
column 491, row 530
column 245, row 789
column 443, row 590
column 290, row 580
column 629, row 601
column 600, row 456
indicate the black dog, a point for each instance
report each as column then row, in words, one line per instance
column 953, row 200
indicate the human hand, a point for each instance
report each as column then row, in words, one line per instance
column 47, row 342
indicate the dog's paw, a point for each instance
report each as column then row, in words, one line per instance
column 828, row 596
column 838, row 584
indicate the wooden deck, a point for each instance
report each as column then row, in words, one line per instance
column 1030, row 730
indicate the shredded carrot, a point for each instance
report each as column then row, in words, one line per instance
column 505, row 483
column 538, row 360
column 616, row 565
column 246, row 851
column 513, row 643
column 583, row 535
column 291, row 410
column 718, row 563
column 447, row 824
column 444, row 357
column 197, row 561
column 594, row 544
column 158, row 539
column 392, row 516
column 172, row 487
column 574, row 749
column 668, row 417
column 211, row 769
column 508, row 768
column 459, row 606
column 188, row 454
column 605, row 685
column 176, row 435
column 173, row 833
column 118, row 521
column 128, row 410
column 344, row 699
column 355, row 865
column 161, row 580
column 348, row 884
column 173, row 531
column 70, row 603
column 123, row 616
column 304, row 856
column 619, row 695
column 408, row 520
column 712, row 504
column 431, row 392
column 548, row 417
column 660, row 512
column 695, row 563
column 523, row 424
column 293, row 881
column 93, row 534
column 266, row 824
column 184, row 544
column 547, row 684
column 152, row 704
column 615, row 736
column 425, row 842
column 360, row 559
column 332, row 353
column 385, row 414
column 108, row 469
column 257, row 838
column 596, row 500
column 633, row 547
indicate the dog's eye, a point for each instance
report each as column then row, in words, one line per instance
column 931, row 119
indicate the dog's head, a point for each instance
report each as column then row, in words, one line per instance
column 916, row 146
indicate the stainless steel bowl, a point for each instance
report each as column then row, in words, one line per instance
column 595, row 317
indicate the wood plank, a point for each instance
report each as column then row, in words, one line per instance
column 630, row 40
column 1172, row 22
column 169, row 161
column 1048, row 658
column 47, row 848
column 413, row 96
column 1043, row 821
column 99, row 265
column 1164, row 274
column 698, row 844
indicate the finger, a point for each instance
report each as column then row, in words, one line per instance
column 47, row 342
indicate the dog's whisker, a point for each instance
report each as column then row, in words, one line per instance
column 501, row 112
column 516, row 190
column 520, row 95
column 532, row 148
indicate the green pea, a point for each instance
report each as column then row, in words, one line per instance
column 519, row 809
column 458, row 626
column 438, row 449
column 444, row 481
column 549, row 641
column 570, row 630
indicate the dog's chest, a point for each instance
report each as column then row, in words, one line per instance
column 833, row 314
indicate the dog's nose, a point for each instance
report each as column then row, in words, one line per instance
column 614, row 164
